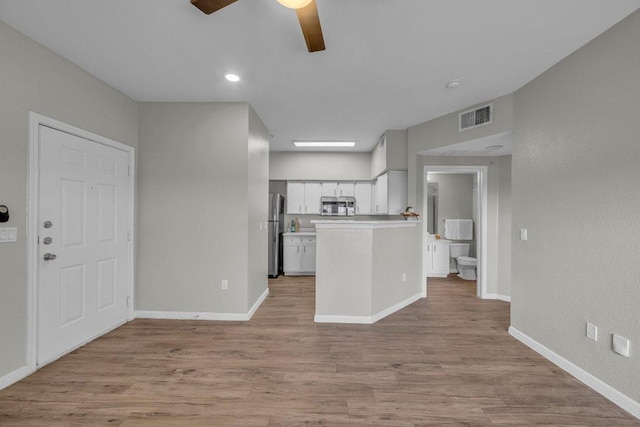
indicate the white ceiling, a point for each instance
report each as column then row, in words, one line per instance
column 385, row 66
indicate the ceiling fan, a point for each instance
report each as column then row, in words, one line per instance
column 306, row 10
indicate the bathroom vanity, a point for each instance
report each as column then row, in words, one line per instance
column 436, row 257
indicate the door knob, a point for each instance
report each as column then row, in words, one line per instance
column 47, row 240
column 49, row 256
column 47, row 224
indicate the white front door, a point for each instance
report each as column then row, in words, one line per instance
column 83, row 249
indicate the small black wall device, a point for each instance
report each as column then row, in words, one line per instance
column 4, row 213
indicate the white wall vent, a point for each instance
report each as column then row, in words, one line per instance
column 477, row 117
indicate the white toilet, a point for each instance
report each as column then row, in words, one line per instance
column 466, row 264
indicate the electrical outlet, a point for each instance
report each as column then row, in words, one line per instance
column 621, row 345
column 523, row 234
column 404, row 277
column 225, row 285
column 592, row 331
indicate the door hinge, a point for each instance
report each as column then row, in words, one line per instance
column 128, row 301
column 128, row 170
column 128, row 236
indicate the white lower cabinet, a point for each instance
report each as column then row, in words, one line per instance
column 299, row 257
column 436, row 256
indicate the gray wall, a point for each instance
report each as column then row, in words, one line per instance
column 576, row 152
column 442, row 132
column 285, row 165
column 33, row 78
column 393, row 156
column 258, row 193
column 455, row 197
column 504, row 225
column 396, row 251
column 195, row 218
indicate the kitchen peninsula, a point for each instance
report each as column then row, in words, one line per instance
column 367, row 270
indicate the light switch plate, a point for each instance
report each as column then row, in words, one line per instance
column 592, row 331
column 621, row 345
column 8, row 234
column 523, row 234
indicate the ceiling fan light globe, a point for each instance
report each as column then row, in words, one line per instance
column 294, row 4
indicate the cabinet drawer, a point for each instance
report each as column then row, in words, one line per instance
column 291, row 240
column 309, row 240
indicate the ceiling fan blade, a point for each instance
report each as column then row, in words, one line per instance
column 310, row 24
column 210, row 6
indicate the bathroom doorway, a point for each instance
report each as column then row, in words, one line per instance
column 477, row 175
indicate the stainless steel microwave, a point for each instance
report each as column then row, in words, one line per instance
column 338, row 206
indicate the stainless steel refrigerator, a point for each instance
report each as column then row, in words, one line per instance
column 276, row 228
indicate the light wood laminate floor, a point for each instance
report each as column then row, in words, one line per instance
column 441, row 361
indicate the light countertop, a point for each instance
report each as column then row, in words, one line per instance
column 300, row 233
column 345, row 224
column 431, row 239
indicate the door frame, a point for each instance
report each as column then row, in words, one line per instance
column 481, row 190
column 35, row 121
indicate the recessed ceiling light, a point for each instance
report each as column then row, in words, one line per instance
column 294, row 4
column 452, row 84
column 315, row 144
column 232, row 77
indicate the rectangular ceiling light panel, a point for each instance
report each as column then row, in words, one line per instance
column 317, row 144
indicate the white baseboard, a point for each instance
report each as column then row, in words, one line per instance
column 322, row 318
column 506, row 298
column 190, row 315
column 14, row 376
column 200, row 315
column 257, row 304
column 396, row 307
column 622, row 400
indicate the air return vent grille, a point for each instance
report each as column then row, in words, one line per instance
column 477, row 117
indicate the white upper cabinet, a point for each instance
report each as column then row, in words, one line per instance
column 387, row 195
column 312, row 195
column 390, row 194
column 380, row 195
column 303, row 197
column 295, row 197
column 362, row 193
column 330, row 189
column 346, row 189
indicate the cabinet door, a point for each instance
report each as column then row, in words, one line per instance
column 291, row 258
column 428, row 259
column 441, row 259
column 312, row 194
column 380, row 199
column 396, row 192
column 295, row 197
column 330, row 189
column 362, row 193
column 346, row 189
column 309, row 258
